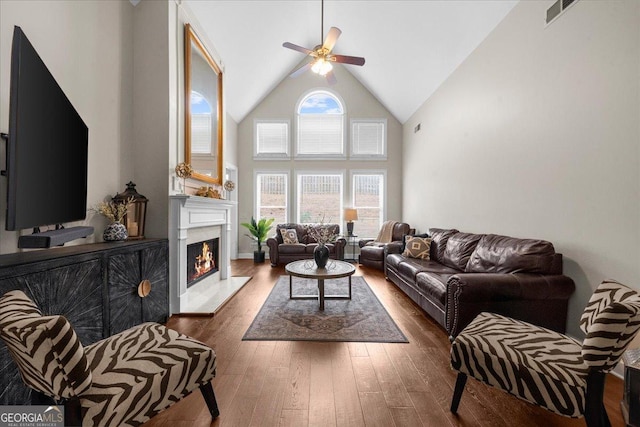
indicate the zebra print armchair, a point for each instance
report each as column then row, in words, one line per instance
column 547, row 368
column 123, row 380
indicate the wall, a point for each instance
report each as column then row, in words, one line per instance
column 87, row 47
column 537, row 135
column 154, row 111
column 281, row 104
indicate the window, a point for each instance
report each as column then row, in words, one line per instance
column 368, row 198
column 272, row 199
column 320, row 126
column 369, row 138
column 271, row 139
column 201, row 142
column 319, row 197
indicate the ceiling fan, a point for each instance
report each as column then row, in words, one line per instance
column 321, row 55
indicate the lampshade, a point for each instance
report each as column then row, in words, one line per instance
column 350, row 214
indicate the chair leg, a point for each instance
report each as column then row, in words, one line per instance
column 210, row 399
column 72, row 407
column 72, row 412
column 457, row 391
column 595, row 414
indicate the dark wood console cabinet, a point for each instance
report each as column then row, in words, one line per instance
column 95, row 286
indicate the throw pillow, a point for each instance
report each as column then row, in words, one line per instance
column 406, row 236
column 289, row 236
column 417, row 247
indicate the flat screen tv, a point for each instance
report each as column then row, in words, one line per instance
column 47, row 146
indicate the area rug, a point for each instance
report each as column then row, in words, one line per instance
column 362, row 319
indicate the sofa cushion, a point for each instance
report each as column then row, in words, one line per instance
column 289, row 236
column 296, row 248
column 372, row 252
column 417, row 247
column 504, row 254
column 410, row 267
column 439, row 237
column 433, row 286
column 394, row 260
column 460, row 246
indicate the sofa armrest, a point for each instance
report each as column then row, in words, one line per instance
column 392, row 248
column 470, row 294
column 363, row 242
column 272, row 244
column 340, row 244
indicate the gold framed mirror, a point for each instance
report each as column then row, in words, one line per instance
column 203, row 110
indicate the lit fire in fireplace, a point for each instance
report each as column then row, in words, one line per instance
column 203, row 262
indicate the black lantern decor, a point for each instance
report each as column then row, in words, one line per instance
column 134, row 220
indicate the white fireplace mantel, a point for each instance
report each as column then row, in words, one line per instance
column 189, row 212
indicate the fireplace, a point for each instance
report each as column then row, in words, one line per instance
column 202, row 260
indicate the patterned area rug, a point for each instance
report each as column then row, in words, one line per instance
column 363, row 318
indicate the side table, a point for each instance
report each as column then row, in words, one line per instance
column 352, row 243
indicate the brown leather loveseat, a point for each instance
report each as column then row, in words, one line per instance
column 471, row 273
column 284, row 253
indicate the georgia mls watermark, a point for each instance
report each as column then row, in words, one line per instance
column 31, row 416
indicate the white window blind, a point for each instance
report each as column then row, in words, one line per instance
column 368, row 138
column 320, row 134
column 272, row 138
column 201, row 133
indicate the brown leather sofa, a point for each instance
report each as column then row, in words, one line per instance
column 283, row 253
column 471, row 273
column 373, row 254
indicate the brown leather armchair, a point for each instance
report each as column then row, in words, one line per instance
column 373, row 254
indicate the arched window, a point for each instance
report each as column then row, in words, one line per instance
column 320, row 125
column 201, row 116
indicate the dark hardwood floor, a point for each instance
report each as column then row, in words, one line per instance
column 282, row 383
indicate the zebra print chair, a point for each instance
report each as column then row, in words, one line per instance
column 547, row 368
column 123, row 380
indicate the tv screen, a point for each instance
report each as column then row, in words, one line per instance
column 47, row 146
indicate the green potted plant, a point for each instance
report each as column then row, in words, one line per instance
column 258, row 232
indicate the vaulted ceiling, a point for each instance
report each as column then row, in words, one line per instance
column 410, row 47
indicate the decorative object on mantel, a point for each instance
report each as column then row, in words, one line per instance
column 258, row 232
column 322, row 235
column 184, row 171
column 210, row 192
column 136, row 212
column 229, row 186
column 114, row 212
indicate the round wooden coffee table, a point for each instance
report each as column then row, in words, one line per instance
column 307, row 269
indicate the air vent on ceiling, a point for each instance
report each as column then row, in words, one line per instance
column 557, row 8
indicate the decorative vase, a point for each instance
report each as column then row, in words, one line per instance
column 321, row 255
column 115, row 232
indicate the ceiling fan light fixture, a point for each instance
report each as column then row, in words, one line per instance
column 321, row 66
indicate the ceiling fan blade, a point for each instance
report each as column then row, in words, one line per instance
column 301, row 69
column 332, row 38
column 331, row 78
column 345, row 59
column 298, row 48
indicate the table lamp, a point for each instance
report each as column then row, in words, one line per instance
column 350, row 215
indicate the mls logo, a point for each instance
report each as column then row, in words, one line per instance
column 31, row 416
